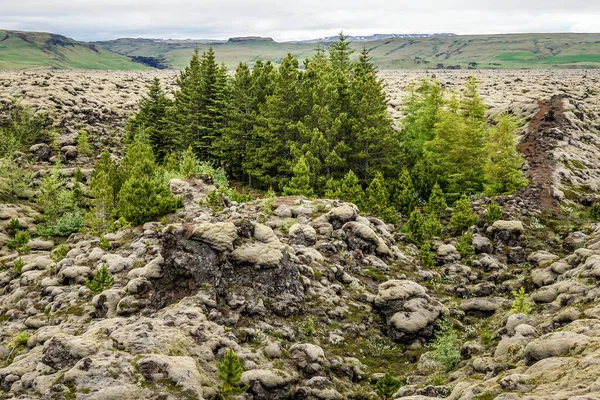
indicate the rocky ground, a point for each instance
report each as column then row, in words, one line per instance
column 317, row 300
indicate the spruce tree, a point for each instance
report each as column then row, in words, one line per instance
column 340, row 53
column 351, row 191
column 375, row 144
column 432, row 225
column 300, row 184
column 463, row 216
column 415, row 227
column 230, row 374
column 377, row 200
column 387, row 386
column 502, row 170
column 189, row 164
column 437, row 201
column 403, row 197
column 144, row 195
column 83, row 144
column 151, row 121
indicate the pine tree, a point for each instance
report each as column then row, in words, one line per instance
column 270, row 160
column 463, row 216
column 377, row 200
column 374, row 143
column 457, row 151
column 387, row 386
column 102, row 280
column 189, row 164
column 404, row 198
column 83, row 144
column 184, row 117
column 230, row 374
column 415, row 227
column 340, row 53
column 432, row 226
column 144, row 195
column 427, row 258
column 437, row 201
column 151, row 121
column 333, row 189
column 351, row 191
column 53, row 198
column 502, row 170
column 300, row 184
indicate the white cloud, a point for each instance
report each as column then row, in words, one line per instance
column 107, row 19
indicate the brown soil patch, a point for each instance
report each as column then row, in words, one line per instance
column 536, row 147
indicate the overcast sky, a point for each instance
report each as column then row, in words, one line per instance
column 292, row 20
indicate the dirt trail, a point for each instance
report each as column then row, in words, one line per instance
column 536, row 147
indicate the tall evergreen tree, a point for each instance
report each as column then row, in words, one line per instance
column 151, row 121
column 144, row 195
column 437, row 201
column 377, row 199
column 403, row 194
column 375, row 143
column 340, row 53
column 300, row 184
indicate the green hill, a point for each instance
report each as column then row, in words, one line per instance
column 539, row 51
column 20, row 50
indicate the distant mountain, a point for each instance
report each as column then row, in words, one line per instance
column 19, row 50
column 377, row 36
column 390, row 51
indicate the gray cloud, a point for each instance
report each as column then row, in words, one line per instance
column 108, row 19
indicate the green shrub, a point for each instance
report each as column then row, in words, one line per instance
column 493, row 213
column 427, row 257
column 230, row 374
column 463, row 216
column 102, row 280
column 19, row 241
column 58, row 253
column 464, row 246
column 14, row 180
column 415, row 227
column 105, row 244
column 595, row 212
column 13, row 227
column 69, row 223
column 432, row 226
column 78, row 175
column 18, row 266
column 446, row 346
column 387, row 386
column 521, row 303
column 83, row 144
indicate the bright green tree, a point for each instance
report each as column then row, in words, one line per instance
column 503, row 173
column 144, row 195
column 83, row 144
column 14, row 180
column 403, row 194
column 387, row 386
column 415, row 227
column 300, row 184
column 230, row 374
column 463, row 215
column 377, row 200
column 437, row 201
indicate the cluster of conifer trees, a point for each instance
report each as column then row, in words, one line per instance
column 324, row 130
